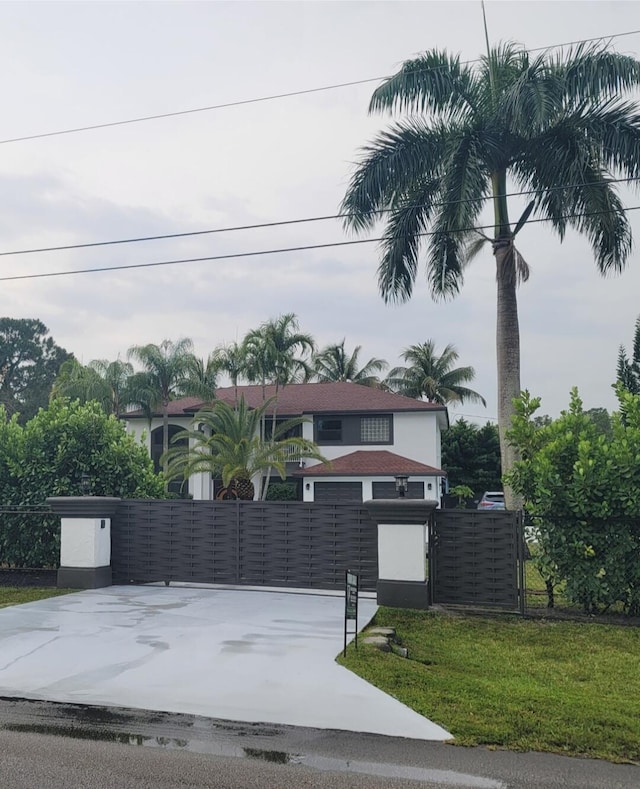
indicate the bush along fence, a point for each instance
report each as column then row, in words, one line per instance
column 29, row 537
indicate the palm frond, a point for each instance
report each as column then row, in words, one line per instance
column 409, row 152
column 435, row 82
column 593, row 72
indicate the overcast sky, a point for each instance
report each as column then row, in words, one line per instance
column 66, row 65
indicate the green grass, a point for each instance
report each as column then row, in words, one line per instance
column 564, row 687
column 14, row 595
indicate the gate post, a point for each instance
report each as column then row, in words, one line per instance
column 402, row 550
column 85, row 540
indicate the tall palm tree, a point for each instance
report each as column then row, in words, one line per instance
column 271, row 358
column 165, row 368
column 230, row 445
column 433, row 377
column 555, row 125
column 116, row 376
column 232, row 360
column 334, row 363
column 276, row 351
column 79, row 382
column 201, row 378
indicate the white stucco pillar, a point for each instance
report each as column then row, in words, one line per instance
column 85, row 540
column 402, row 550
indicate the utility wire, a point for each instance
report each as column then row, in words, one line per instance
column 286, row 95
column 284, row 222
column 238, row 255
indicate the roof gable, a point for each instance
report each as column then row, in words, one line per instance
column 315, row 398
column 370, row 463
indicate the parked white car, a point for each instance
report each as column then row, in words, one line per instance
column 492, row 500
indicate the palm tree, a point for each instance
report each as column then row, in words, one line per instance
column 271, row 352
column 333, row 363
column 555, row 125
column 78, row 382
column 271, row 358
column 116, row 376
column 226, row 440
column 165, row 368
column 433, row 377
column 232, row 360
column 201, row 378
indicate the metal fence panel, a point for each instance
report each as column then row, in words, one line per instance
column 232, row 542
column 476, row 558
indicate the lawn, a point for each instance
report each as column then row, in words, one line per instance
column 558, row 686
column 14, row 595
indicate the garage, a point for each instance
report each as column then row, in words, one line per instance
column 337, row 492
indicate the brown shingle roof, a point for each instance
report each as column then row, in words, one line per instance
column 297, row 399
column 370, row 463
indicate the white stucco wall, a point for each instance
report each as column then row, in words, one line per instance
column 402, row 552
column 367, row 485
column 200, row 485
column 416, row 435
column 85, row 542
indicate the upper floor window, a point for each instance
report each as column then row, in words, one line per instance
column 329, row 429
column 375, row 429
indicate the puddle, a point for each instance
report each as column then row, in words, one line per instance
column 221, row 747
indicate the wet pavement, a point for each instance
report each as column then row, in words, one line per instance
column 234, row 654
column 59, row 746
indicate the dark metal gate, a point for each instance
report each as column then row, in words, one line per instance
column 477, row 558
column 294, row 544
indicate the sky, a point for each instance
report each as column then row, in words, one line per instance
column 68, row 65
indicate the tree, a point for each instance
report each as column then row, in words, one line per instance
column 101, row 380
column 555, row 126
column 165, row 368
column 628, row 370
column 433, row 377
column 201, row 378
column 334, row 363
column 271, row 358
column 232, row 360
column 29, row 363
column 226, row 441
column 581, row 490
column 471, row 457
column 48, row 456
column 271, row 352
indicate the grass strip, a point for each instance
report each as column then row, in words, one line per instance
column 563, row 687
column 15, row 595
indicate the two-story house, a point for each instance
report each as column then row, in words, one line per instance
column 369, row 435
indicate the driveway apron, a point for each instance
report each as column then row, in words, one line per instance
column 234, row 654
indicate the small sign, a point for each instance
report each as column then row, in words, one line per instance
column 350, row 607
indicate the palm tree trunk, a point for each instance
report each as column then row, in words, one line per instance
column 507, row 326
column 508, row 355
column 165, row 439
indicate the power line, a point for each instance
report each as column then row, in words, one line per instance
column 284, row 222
column 277, row 96
column 238, row 255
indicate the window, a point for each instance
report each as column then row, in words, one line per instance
column 375, row 430
column 329, row 429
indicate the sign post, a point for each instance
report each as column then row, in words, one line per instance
column 350, row 607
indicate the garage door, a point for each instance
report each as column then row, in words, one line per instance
column 332, row 492
column 387, row 490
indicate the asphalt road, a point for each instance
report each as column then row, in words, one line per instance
column 62, row 746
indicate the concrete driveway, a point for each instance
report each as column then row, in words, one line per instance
column 235, row 654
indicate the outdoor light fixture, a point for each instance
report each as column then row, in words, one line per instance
column 429, row 486
column 402, row 485
column 85, row 484
column 308, row 486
